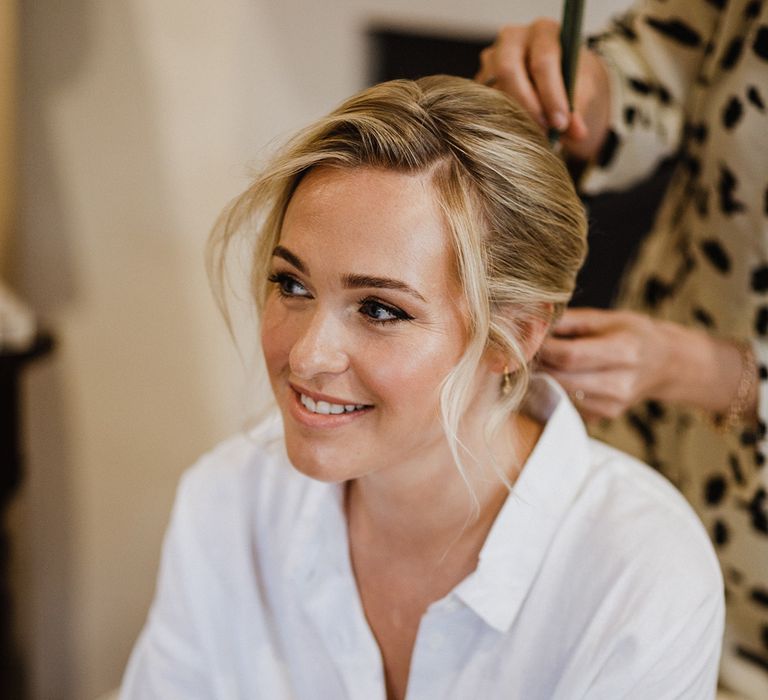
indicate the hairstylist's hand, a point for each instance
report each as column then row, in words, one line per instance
column 524, row 62
column 608, row 360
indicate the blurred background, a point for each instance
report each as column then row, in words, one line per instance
column 135, row 122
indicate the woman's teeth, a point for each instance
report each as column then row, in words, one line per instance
column 326, row 408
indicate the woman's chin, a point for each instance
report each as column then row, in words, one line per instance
column 318, row 465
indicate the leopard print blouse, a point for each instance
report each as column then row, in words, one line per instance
column 690, row 77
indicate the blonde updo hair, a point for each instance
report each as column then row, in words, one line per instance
column 517, row 226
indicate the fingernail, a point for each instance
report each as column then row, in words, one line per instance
column 560, row 120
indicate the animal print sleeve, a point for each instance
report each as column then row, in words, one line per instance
column 654, row 55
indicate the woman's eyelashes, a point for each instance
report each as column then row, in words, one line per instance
column 378, row 312
column 288, row 286
column 373, row 310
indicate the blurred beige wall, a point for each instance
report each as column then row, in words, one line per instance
column 8, row 134
column 138, row 119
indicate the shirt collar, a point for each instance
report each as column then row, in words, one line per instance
column 530, row 517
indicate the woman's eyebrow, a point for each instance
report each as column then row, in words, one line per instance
column 350, row 281
column 282, row 252
column 362, row 281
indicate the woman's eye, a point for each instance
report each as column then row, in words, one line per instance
column 288, row 286
column 378, row 312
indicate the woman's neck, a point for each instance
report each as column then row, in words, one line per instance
column 425, row 510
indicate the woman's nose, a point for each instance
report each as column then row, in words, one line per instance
column 319, row 349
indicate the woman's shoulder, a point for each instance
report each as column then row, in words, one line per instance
column 248, row 473
column 638, row 560
column 244, row 456
column 639, row 511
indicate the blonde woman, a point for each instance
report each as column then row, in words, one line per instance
column 422, row 518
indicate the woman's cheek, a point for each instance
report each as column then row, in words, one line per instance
column 276, row 333
column 404, row 367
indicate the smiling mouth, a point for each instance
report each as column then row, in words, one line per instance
column 326, row 408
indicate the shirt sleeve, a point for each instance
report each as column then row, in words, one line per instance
column 168, row 660
column 653, row 54
column 684, row 666
column 671, row 649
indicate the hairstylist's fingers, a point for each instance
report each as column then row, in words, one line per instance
column 610, row 385
column 545, row 71
column 504, row 65
column 486, row 73
column 594, row 411
column 576, row 132
column 597, row 395
column 590, row 119
column 586, row 354
column 585, row 321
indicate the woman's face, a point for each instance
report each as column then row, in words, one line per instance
column 362, row 323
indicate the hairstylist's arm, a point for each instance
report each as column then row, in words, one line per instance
column 611, row 360
column 524, row 62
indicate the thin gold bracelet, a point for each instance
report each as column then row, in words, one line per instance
column 739, row 405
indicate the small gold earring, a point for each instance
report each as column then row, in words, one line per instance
column 506, row 381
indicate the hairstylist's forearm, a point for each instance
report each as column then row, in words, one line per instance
column 705, row 372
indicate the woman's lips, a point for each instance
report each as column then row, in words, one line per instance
column 320, row 410
column 328, row 408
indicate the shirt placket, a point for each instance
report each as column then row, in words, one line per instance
column 332, row 602
column 440, row 652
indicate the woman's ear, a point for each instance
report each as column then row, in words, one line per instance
column 533, row 329
column 530, row 329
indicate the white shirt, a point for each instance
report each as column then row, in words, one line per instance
column 596, row 581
